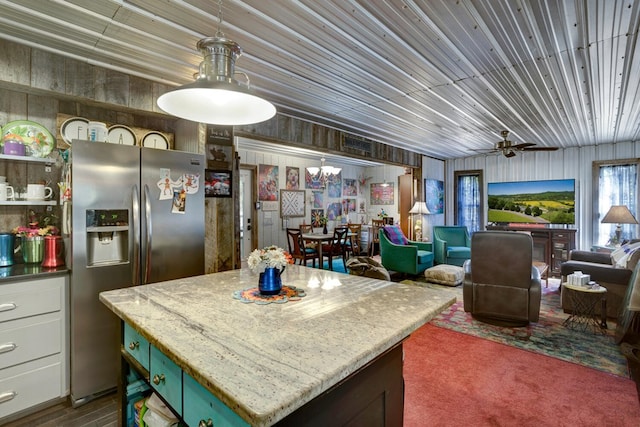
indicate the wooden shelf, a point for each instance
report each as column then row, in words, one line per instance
column 45, row 160
column 29, row 203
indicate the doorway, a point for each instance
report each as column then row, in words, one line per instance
column 248, row 225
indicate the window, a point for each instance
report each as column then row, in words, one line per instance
column 617, row 184
column 468, row 199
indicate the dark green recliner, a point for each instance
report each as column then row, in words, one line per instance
column 410, row 258
column 451, row 244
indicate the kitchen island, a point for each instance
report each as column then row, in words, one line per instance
column 267, row 363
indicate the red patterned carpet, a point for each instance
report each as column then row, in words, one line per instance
column 455, row 379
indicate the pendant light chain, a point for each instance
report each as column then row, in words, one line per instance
column 219, row 32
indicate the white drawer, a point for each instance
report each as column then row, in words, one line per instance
column 29, row 339
column 30, row 388
column 29, row 298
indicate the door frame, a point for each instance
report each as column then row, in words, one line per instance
column 253, row 170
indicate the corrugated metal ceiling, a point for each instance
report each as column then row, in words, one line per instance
column 440, row 77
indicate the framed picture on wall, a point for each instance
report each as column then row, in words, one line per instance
column 219, row 156
column 293, row 178
column 217, row 183
column 434, row 195
column 268, row 183
column 292, row 203
column 381, row 194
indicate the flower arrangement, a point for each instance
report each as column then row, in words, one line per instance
column 270, row 256
column 382, row 214
column 33, row 230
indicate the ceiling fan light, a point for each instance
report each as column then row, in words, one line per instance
column 215, row 97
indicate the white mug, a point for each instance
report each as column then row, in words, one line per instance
column 6, row 192
column 3, row 178
column 38, row 192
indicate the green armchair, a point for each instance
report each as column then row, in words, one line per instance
column 410, row 258
column 451, row 244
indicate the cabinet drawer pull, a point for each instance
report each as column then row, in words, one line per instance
column 157, row 379
column 8, row 306
column 7, row 396
column 208, row 423
column 6, row 348
column 134, row 345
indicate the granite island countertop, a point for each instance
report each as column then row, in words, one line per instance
column 265, row 361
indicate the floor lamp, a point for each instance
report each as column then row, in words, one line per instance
column 419, row 208
column 619, row 215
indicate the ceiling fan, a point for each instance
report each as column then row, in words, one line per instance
column 509, row 149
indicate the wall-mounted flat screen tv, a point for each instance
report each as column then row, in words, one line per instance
column 534, row 202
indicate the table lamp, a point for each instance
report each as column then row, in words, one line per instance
column 619, row 214
column 419, row 208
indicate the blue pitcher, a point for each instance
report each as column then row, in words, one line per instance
column 7, row 244
column 270, row 282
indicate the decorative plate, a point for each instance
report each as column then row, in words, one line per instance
column 37, row 140
column 155, row 140
column 75, row 128
column 120, row 134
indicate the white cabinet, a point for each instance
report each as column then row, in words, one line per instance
column 33, row 343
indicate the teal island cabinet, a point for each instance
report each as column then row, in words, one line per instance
column 330, row 357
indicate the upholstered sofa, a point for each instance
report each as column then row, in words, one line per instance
column 401, row 255
column 601, row 268
column 451, row 244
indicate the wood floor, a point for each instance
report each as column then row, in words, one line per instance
column 101, row 412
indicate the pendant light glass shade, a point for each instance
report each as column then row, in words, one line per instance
column 216, row 97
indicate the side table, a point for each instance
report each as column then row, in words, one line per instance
column 583, row 302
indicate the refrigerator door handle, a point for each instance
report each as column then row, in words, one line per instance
column 149, row 234
column 135, row 213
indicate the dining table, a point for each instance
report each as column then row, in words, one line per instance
column 319, row 239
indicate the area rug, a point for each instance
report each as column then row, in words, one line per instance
column 455, row 379
column 548, row 336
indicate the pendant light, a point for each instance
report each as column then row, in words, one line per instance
column 323, row 173
column 216, row 97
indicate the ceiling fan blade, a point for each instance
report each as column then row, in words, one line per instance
column 509, row 153
column 484, row 150
column 540, row 149
column 523, row 145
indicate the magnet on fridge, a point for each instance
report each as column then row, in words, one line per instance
column 179, row 202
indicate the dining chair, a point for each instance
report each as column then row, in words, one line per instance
column 376, row 225
column 307, row 229
column 336, row 247
column 298, row 250
column 353, row 242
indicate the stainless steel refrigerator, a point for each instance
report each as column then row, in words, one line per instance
column 137, row 217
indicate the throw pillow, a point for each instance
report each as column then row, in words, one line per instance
column 395, row 235
column 623, row 254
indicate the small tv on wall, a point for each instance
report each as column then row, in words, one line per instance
column 532, row 202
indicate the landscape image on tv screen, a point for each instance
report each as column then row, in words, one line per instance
column 541, row 202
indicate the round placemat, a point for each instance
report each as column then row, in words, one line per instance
column 288, row 293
